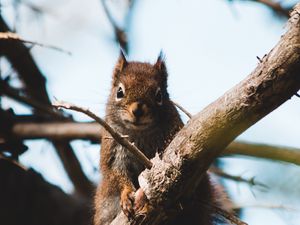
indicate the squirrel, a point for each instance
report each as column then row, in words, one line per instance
column 140, row 108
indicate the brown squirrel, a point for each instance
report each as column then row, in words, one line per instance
column 140, row 108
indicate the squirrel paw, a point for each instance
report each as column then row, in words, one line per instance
column 141, row 203
column 127, row 202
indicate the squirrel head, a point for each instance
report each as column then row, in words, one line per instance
column 139, row 93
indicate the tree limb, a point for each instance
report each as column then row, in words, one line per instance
column 9, row 36
column 252, row 182
column 120, row 34
column 178, row 172
column 283, row 154
column 58, row 131
column 24, row 99
column 274, row 6
column 35, row 87
column 92, row 131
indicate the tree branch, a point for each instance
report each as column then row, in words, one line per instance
column 120, row 34
column 119, row 138
column 92, row 131
column 283, row 154
column 274, row 6
column 58, row 131
column 24, row 99
column 19, row 56
column 252, row 182
column 35, row 87
column 9, row 36
column 178, row 172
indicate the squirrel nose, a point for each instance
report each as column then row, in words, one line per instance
column 137, row 109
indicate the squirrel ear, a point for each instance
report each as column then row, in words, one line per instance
column 122, row 62
column 160, row 62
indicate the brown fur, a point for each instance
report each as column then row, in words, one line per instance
column 154, row 126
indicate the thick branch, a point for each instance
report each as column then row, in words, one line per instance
column 58, row 131
column 177, row 174
column 92, row 131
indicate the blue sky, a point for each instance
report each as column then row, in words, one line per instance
column 210, row 46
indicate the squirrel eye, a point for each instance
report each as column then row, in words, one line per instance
column 120, row 92
column 158, row 97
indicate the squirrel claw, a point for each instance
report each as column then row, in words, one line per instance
column 141, row 203
column 127, row 201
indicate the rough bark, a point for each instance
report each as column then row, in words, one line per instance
column 177, row 173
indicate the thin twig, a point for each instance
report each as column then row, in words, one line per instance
column 275, row 6
column 266, row 206
column 13, row 162
column 122, row 141
column 15, row 37
column 221, row 173
column 182, row 109
column 120, row 33
column 15, row 94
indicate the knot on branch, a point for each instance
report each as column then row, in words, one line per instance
column 160, row 177
column 295, row 16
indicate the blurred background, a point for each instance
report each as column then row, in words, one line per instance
column 210, row 46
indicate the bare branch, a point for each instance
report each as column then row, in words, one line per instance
column 119, row 138
column 283, row 154
column 266, row 206
column 92, row 131
column 58, row 131
column 35, row 87
column 24, row 99
column 177, row 173
column 182, row 109
column 274, row 6
column 225, row 175
column 121, row 35
column 9, row 36
column 20, row 58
